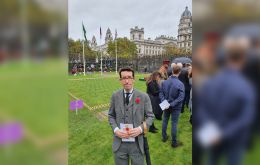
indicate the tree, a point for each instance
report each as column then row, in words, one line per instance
column 189, row 52
column 174, row 50
column 75, row 47
column 126, row 49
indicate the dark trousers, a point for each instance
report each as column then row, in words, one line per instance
column 158, row 116
column 174, row 123
column 186, row 100
column 232, row 152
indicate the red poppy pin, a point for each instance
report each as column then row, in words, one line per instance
column 137, row 100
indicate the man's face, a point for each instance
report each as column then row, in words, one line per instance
column 127, row 80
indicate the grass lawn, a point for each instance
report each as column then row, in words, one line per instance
column 90, row 140
column 98, row 91
column 35, row 95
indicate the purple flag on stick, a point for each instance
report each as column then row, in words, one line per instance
column 78, row 104
column 10, row 133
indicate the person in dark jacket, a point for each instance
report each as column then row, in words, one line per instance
column 172, row 90
column 184, row 78
column 153, row 92
column 229, row 103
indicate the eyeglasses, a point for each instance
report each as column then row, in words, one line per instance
column 126, row 78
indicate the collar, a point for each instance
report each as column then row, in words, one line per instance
column 131, row 91
column 174, row 76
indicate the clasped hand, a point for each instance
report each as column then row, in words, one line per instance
column 133, row 132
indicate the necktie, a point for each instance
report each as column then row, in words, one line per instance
column 127, row 98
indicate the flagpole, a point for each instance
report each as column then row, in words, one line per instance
column 101, row 51
column 83, row 49
column 116, row 55
column 83, row 59
column 101, row 64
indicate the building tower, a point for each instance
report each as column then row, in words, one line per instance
column 93, row 42
column 109, row 36
column 137, row 34
column 185, row 30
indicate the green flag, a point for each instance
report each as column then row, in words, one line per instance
column 84, row 31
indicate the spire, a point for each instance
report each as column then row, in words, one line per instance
column 186, row 12
column 108, row 31
column 109, row 36
column 94, row 42
column 94, row 39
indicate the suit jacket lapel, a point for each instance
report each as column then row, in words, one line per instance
column 135, row 95
column 122, row 101
column 131, row 101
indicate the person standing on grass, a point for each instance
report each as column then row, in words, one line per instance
column 129, row 107
column 184, row 78
column 153, row 92
column 190, row 102
column 172, row 90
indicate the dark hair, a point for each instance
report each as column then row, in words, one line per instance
column 128, row 70
column 153, row 77
column 190, row 73
column 176, row 69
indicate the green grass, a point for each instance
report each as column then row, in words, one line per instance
column 24, row 153
column 90, row 140
column 34, row 93
column 252, row 157
column 99, row 91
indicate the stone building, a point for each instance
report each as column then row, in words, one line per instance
column 185, row 30
column 149, row 47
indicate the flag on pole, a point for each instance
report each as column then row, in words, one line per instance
column 84, row 31
column 11, row 133
column 115, row 34
column 100, row 32
column 78, row 104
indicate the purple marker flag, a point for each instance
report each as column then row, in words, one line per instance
column 11, row 133
column 78, row 104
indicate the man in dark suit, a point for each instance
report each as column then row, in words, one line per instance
column 172, row 90
column 227, row 101
column 184, row 78
column 129, row 106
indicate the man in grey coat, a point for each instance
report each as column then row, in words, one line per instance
column 129, row 106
